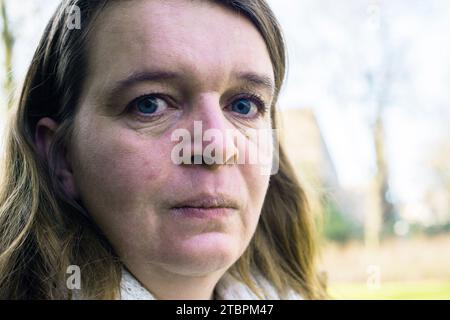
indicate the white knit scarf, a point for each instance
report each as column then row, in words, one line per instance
column 228, row 288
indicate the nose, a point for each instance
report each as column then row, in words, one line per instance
column 213, row 135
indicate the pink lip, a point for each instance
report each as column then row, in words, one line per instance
column 207, row 201
column 202, row 213
column 205, row 206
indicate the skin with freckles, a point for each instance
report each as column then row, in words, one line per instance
column 154, row 67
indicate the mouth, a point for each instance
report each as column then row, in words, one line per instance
column 208, row 202
column 206, row 206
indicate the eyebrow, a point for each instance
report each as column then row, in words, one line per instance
column 258, row 80
column 145, row 76
column 251, row 78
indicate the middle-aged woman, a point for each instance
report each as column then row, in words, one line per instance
column 90, row 180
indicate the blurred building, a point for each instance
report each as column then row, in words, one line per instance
column 306, row 148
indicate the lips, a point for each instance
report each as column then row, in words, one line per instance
column 207, row 202
column 206, row 206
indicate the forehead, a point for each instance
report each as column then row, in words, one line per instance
column 194, row 36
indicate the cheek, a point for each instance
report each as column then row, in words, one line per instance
column 255, row 185
column 119, row 172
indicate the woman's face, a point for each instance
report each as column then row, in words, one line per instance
column 156, row 67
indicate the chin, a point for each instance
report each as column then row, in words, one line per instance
column 205, row 254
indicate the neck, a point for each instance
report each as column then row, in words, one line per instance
column 165, row 285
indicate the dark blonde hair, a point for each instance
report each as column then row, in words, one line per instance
column 42, row 231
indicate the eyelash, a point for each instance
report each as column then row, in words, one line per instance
column 254, row 97
column 132, row 104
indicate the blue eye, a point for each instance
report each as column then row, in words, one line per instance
column 150, row 105
column 244, row 106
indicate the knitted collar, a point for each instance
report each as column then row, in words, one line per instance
column 228, row 288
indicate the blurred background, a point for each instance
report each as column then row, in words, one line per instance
column 366, row 114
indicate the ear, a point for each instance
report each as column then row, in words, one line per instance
column 44, row 135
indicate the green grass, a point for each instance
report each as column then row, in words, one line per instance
column 391, row 291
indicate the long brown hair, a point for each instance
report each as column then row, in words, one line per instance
column 42, row 231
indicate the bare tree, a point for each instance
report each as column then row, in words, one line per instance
column 380, row 81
